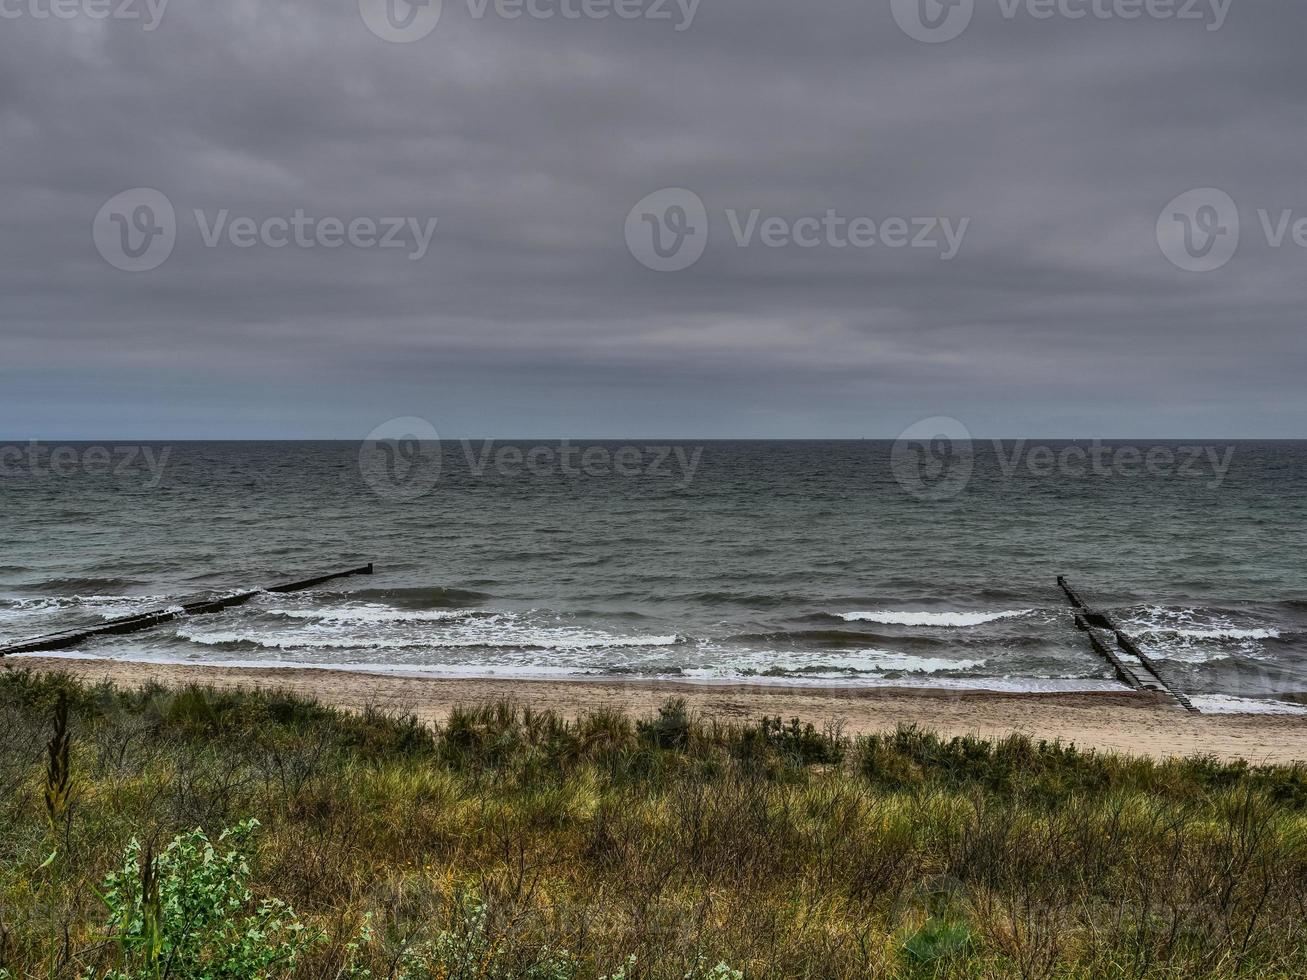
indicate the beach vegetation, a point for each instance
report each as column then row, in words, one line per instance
column 220, row 833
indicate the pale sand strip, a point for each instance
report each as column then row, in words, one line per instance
column 1126, row 722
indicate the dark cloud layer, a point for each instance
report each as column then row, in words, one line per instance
column 1060, row 140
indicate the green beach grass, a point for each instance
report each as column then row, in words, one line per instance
column 197, row 833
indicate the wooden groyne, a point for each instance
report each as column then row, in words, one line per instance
column 1096, row 623
column 64, row 639
column 1123, row 673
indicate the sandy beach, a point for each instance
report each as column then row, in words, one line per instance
column 1126, row 722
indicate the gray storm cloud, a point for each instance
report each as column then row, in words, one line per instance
column 518, row 145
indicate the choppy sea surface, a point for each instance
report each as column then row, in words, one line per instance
column 775, row 562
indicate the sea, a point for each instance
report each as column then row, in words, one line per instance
column 854, row 563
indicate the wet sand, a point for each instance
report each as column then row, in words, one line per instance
column 1126, row 722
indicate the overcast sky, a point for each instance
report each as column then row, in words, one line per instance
column 1057, row 143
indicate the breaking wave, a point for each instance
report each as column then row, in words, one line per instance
column 932, row 619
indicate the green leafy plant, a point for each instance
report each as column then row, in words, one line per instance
column 470, row 951
column 721, row 971
column 187, row 913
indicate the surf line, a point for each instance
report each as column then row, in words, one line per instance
column 64, row 639
column 1149, row 678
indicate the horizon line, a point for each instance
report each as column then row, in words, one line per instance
column 28, row 440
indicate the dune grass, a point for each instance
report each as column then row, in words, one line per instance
column 513, row 843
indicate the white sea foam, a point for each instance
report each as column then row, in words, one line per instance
column 25, row 615
column 1225, row 704
column 891, row 617
column 1199, row 636
column 513, row 637
column 92, row 602
column 925, row 665
column 705, row 676
column 454, row 670
column 821, row 663
column 378, row 613
column 1217, row 633
column 1005, row 685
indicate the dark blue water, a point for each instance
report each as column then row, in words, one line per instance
column 803, row 562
